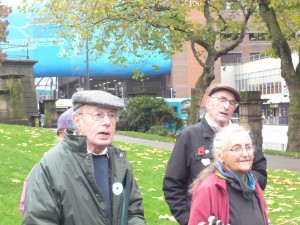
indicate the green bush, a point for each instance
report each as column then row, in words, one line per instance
column 144, row 112
column 121, row 124
column 158, row 130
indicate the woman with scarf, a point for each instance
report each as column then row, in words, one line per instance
column 226, row 189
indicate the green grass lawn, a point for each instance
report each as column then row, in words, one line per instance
column 21, row 147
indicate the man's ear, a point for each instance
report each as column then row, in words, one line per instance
column 207, row 101
column 75, row 119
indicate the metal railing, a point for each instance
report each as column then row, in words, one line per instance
column 5, row 45
column 252, row 58
column 276, row 121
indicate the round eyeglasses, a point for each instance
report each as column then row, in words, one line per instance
column 239, row 149
column 99, row 116
column 224, row 100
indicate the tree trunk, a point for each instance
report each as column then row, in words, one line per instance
column 294, row 116
column 290, row 75
column 202, row 83
column 212, row 56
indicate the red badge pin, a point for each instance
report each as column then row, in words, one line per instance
column 201, row 150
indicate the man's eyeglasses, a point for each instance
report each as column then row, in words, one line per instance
column 223, row 100
column 99, row 116
column 238, row 149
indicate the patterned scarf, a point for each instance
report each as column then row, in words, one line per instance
column 247, row 186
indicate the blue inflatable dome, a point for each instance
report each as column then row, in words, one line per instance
column 27, row 40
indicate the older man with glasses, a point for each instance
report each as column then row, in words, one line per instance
column 84, row 179
column 192, row 151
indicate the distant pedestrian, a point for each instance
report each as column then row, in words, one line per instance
column 65, row 123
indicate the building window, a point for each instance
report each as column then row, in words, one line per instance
column 231, row 58
column 257, row 37
column 229, row 37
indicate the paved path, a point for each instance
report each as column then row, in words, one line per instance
column 274, row 162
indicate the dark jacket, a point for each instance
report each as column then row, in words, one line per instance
column 62, row 189
column 211, row 198
column 191, row 154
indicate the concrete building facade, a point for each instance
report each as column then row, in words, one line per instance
column 263, row 74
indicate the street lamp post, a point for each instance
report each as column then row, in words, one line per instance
column 87, row 85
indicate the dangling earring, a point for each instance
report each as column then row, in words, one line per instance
column 223, row 168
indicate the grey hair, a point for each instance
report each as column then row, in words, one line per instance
column 223, row 136
column 220, row 142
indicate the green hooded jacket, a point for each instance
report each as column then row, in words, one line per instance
column 61, row 188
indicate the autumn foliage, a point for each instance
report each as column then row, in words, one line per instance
column 4, row 12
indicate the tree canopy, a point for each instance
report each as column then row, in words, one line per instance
column 4, row 12
column 165, row 26
column 154, row 25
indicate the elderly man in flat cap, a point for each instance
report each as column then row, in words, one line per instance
column 84, row 180
column 192, row 151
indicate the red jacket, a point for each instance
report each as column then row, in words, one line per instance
column 210, row 198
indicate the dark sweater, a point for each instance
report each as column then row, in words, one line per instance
column 243, row 211
column 101, row 170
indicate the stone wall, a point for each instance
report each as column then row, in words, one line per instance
column 22, row 70
column 250, row 109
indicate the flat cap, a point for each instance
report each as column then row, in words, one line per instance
column 95, row 97
column 213, row 88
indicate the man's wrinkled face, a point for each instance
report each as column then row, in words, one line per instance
column 220, row 106
column 98, row 124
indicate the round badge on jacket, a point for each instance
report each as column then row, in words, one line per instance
column 117, row 188
column 205, row 162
